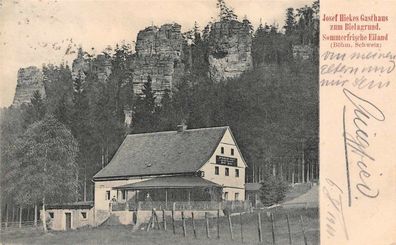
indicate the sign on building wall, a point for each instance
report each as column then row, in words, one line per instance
column 229, row 161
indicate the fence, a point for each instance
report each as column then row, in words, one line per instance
column 20, row 225
column 232, row 206
column 269, row 227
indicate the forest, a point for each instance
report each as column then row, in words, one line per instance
column 51, row 147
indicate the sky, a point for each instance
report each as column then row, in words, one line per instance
column 37, row 32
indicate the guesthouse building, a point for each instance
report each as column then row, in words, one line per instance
column 186, row 165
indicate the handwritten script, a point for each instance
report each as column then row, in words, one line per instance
column 357, row 69
column 335, row 215
column 357, row 143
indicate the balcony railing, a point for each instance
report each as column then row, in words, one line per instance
column 233, row 206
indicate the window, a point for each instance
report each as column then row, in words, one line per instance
column 84, row 215
column 236, row 196
column 222, row 150
column 107, row 197
column 123, row 194
column 227, row 172
column 226, row 195
column 232, row 151
column 51, row 215
column 236, row 172
column 216, row 170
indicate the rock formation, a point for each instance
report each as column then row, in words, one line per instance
column 302, row 52
column 29, row 80
column 158, row 55
column 230, row 45
column 101, row 64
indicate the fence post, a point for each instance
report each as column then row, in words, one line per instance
column 150, row 221
column 173, row 221
column 28, row 213
column 193, row 224
column 20, row 216
column 6, row 223
column 13, row 214
column 288, row 229
column 184, row 224
column 1, row 216
column 157, row 219
column 240, row 220
column 163, row 219
column 259, row 227
column 230, row 225
column 218, row 223
column 303, row 231
column 273, row 228
column 35, row 215
column 207, row 225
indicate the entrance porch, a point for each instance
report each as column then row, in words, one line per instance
column 166, row 192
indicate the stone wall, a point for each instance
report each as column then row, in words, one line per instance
column 230, row 46
column 29, row 80
column 158, row 55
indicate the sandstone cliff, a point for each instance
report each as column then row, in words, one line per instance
column 230, row 46
column 29, row 80
column 158, row 55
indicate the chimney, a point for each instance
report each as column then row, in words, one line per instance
column 181, row 127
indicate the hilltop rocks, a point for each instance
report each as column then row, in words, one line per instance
column 230, row 46
column 158, row 55
column 29, row 80
column 101, row 65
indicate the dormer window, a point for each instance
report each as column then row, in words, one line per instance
column 222, row 150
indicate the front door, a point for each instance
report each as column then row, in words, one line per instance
column 68, row 221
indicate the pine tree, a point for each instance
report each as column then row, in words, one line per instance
column 35, row 110
column 146, row 110
column 44, row 166
column 290, row 21
column 225, row 13
column 81, row 127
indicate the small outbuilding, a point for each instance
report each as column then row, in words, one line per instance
column 69, row 216
column 252, row 191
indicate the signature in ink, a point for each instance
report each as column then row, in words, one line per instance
column 357, row 144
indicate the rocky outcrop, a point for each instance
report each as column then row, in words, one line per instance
column 158, row 55
column 29, row 80
column 101, row 65
column 302, row 52
column 230, row 46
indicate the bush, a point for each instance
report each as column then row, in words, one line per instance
column 272, row 190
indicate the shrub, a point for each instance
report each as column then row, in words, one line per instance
column 272, row 190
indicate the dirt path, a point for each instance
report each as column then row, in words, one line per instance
column 310, row 199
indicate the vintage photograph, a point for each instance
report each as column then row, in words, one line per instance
column 159, row 122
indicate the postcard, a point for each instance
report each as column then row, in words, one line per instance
column 197, row 122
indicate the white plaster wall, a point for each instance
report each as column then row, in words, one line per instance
column 59, row 220
column 231, row 184
column 102, row 186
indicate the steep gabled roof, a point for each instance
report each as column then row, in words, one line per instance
column 159, row 153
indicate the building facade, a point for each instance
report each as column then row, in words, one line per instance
column 174, row 166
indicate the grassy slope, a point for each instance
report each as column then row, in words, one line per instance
column 124, row 234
